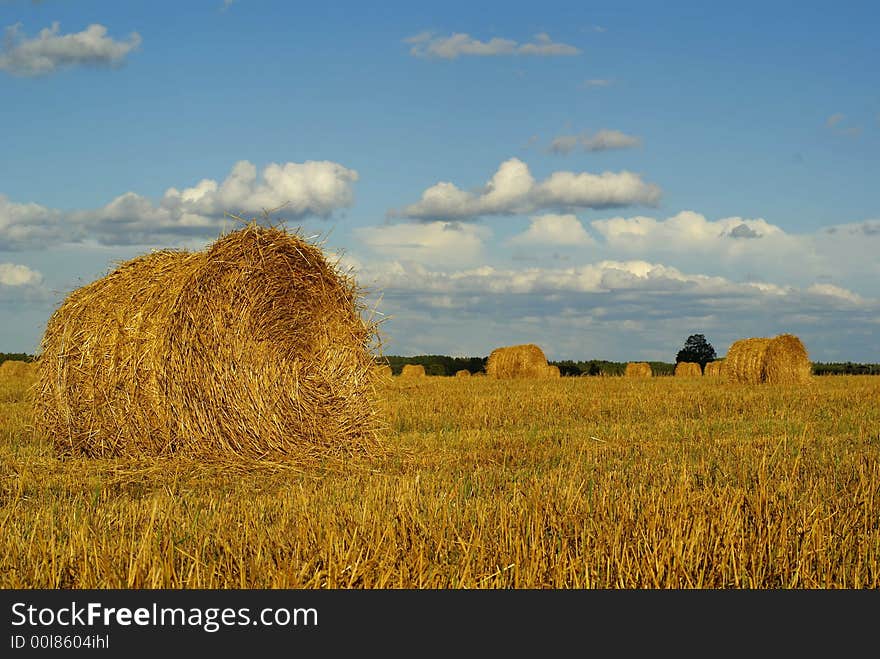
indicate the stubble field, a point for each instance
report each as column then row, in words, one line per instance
column 564, row 483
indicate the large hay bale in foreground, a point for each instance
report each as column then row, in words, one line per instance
column 713, row 369
column 687, row 370
column 780, row 360
column 786, row 361
column 638, row 370
column 412, row 371
column 255, row 346
column 15, row 368
column 553, row 371
column 520, row 361
column 463, row 373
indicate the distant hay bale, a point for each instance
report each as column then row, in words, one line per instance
column 519, row 361
column 384, row 371
column 745, row 361
column 412, row 371
column 713, row 369
column 780, row 360
column 553, row 371
column 687, row 370
column 638, row 370
column 14, row 368
column 254, row 346
column 463, row 373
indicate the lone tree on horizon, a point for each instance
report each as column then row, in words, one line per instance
column 696, row 349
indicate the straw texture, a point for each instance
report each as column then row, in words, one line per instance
column 254, row 346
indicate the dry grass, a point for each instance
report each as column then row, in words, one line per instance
column 519, row 361
column 687, row 370
column 13, row 368
column 564, row 483
column 638, row 370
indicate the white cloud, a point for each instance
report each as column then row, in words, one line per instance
column 603, row 140
column 25, row 225
column 459, row 44
column 309, row 188
column 12, row 274
column 293, row 190
column 50, row 51
column 600, row 277
column 608, row 310
column 513, row 189
column 20, row 285
column 832, row 291
column 686, row 230
column 554, row 229
column 433, row 243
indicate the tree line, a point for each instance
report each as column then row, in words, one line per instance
column 445, row 365
column 15, row 356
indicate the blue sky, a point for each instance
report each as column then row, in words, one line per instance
column 602, row 179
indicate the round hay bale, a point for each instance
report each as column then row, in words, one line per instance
column 254, row 346
column 687, row 370
column 553, row 371
column 15, row 368
column 745, row 361
column 780, row 360
column 384, row 371
column 412, row 371
column 519, row 361
column 786, row 361
column 638, row 370
column 713, row 369
column 463, row 373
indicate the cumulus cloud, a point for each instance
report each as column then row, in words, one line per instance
column 296, row 190
column 603, row 140
column 12, row 274
column 845, row 253
column 600, row 277
column 433, row 243
column 836, row 292
column 554, row 229
column 26, row 225
column 20, row 284
column 513, row 189
column 51, row 51
column 685, row 230
column 458, row 44
column 607, row 309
